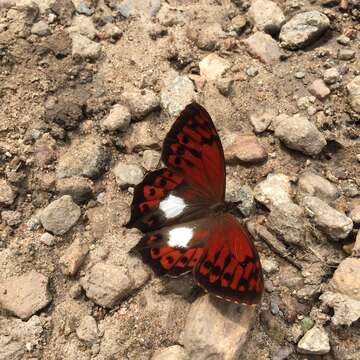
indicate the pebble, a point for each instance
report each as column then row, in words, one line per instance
column 346, row 54
column 346, row 309
column 106, row 284
column 354, row 213
column 316, row 185
column 175, row 352
column 84, row 48
column 25, row 295
column 60, row 215
column 79, row 188
column 266, row 16
column 299, row 75
column 128, row 174
column 213, row 67
column 261, row 119
column 7, row 194
column 331, row 76
column 83, row 25
column 303, row 29
column 244, row 148
column 40, row 28
column 11, row 218
column 269, row 266
column 298, row 133
column 304, row 102
column 356, row 248
column 319, row 89
column 238, row 24
column 118, row 119
column 75, row 291
column 315, row 341
column 88, row 158
column 346, row 278
column 88, row 331
column 223, row 320
column 343, row 40
column 242, row 194
column 47, row 239
column 330, row 221
column 146, row 8
column 73, row 257
column 178, row 91
column 151, row 159
column 251, row 71
column 83, row 7
column 141, row 102
column 353, row 88
column 263, row 47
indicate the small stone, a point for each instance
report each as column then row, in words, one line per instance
column 299, row 75
column 112, row 32
column 11, row 218
column 141, row 102
column 128, row 174
column 346, row 278
column 315, row 341
column 330, row 221
column 75, row 291
column 178, row 91
column 40, row 28
column 60, row 215
column 7, row 194
column 243, row 195
column 25, row 295
column 45, row 150
column 238, row 24
column 146, row 8
column 84, row 48
column 106, row 284
column 269, row 266
column 251, row 71
column 266, row 16
column 118, row 119
column 83, row 7
column 213, row 67
column 263, row 47
column 47, row 239
column 343, row 40
column 151, row 159
column 306, row 324
column 356, row 248
column 73, row 257
column 353, row 88
column 87, row 158
column 346, row 54
column 316, row 185
column 79, row 188
column 244, row 148
column 83, row 25
column 207, row 37
column 298, row 133
column 174, row 352
column 354, row 213
column 303, row 29
column 87, row 330
column 223, row 320
column 319, row 89
column 305, row 102
column 64, row 9
column 261, row 119
column 224, row 85
column 331, row 76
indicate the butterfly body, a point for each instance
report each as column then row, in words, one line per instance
column 188, row 226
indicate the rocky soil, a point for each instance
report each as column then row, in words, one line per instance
column 88, row 90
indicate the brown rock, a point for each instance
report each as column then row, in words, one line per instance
column 319, row 89
column 73, row 257
column 7, row 194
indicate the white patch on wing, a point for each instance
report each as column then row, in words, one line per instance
column 172, row 206
column 180, row 237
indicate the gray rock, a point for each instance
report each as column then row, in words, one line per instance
column 178, row 91
column 245, row 196
column 106, row 284
column 346, row 278
column 174, row 352
column 346, row 54
column 83, row 25
column 151, row 159
column 263, row 47
column 251, row 71
column 213, row 66
column 118, row 119
column 346, row 309
column 354, row 93
column 269, row 266
column 7, row 194
column 73, row 257
column 331, row 76
column 261, row 119
column 146, row 8
column 79, row 188
column 316, row 185
column 25, row 295
column 40, row 28
column 330, row 221
column 319, row 89
column 60, row 215
column 303, row 29
column 141, row 102
column 223, row 320
column 84, row 7
column 343, row 40
column 266, row 16
column 298, row 133
column 47, row 239
column 88, row 331
column 11, row 218
column 315, row 341
column 128, row 174
column 87, row 158
column 84, row 48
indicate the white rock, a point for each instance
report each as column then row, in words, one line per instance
column 213, row 66
column 83, row 25
column 84, row 48
column 128, row 174
column 174, row 352
column 40, row 28
column 118, row 119
column 150, row 159
column 331, row 76
column 315, row 341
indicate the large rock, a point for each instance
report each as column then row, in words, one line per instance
column 25, row 295
column 229, row 322
column 266, row 16
column 298, row 133
column 330, row 221
column 60, row 215
column 353, row 88
column 303, row 29
column 87, row 158
column 315, row 341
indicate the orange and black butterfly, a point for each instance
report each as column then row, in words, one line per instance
column 181, row 209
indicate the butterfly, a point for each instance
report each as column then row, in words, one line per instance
column 186, row 222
